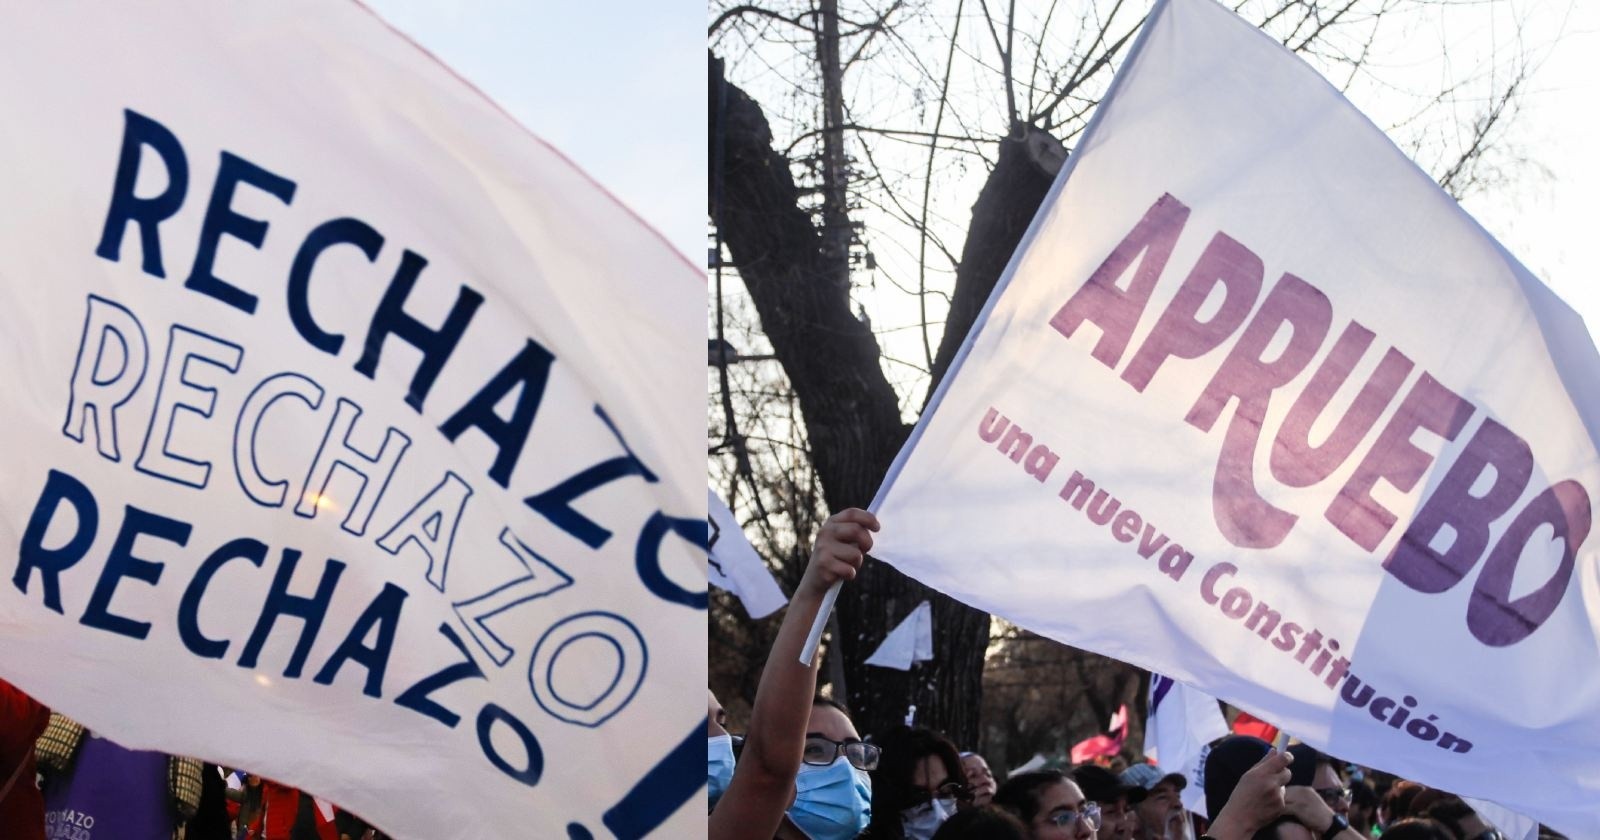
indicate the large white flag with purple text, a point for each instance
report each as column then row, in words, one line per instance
column 352, row 435
column 1258, row 406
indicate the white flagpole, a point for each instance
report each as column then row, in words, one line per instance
column 808, row 653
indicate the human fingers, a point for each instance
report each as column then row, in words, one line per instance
column 850, row 534
column 833, row 567
column 1273, row 768
column 857, row 516
column 1307, row 805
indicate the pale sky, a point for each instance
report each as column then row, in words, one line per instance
column 1549, row 222
column 619, row 87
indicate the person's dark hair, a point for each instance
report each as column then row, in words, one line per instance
column 1307, row 760
column 1448, row 810
column 1020, row 794
column 819, row 700
column 1226, row 764
column 1417, row 828
column 1362, row 795
column 983, row 823
column 1396, row 804
column 904, row 747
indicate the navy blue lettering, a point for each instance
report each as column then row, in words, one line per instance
column 647, row 558
column 662, row 791
column 486, row 720
column 279, row 602
column 140, row 132
column 221, row 220
column 383, row 613
column 123, row 564
column 530, row 370
column 243, row 548
column 555, row 504
column 51, row 562
column 417, row 699
column 345, row 231
column 436, row 345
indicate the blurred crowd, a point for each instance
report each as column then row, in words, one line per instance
column 800, row 770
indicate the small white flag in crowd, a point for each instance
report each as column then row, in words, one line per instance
column 1182, row 722
column 736, row 567
column 1257, row 406
column 1512, row 825
column 910, row 642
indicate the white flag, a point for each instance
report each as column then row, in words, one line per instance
column 910, row 642
column 1182, row 722
column 351, row 434
column 1258, row 406
column 1512, row 825
column 736, row 567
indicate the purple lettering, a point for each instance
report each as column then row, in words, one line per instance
column 1015, row 443
column 992, row 425
column 1492, row 616
column 1297, row 463
column 1208, row 584
column 1287, row 634
column 1040, row 462
column 1125, row 526
column 1151, row 542
column 1179, row 331
column 1414, row 561
column 1243, row 517
column 1115, row 311
column 1175, row 561
column 1393, row 457
column 1077, row 490
column 1236, row 603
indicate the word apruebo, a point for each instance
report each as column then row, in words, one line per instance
column 1254, row 369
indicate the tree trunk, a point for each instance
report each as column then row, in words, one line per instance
column 1027, row 165
column 852, row 415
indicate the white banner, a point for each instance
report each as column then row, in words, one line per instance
column 1181, row 724
column 352, row 435
column 910, row 642
column 1259, row 407
column 734, row 564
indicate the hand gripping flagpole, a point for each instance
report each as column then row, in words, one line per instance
column 808, row 651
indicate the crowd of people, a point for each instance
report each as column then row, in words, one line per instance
column 802, row 771
column 59, row 781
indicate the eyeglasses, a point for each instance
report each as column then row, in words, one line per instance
column 1090, row 814
column 1334, row 796
column 949, row 790
column 822, row 751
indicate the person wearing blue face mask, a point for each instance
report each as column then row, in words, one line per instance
column 765, row 782
column 833, row 793
column 719, row 750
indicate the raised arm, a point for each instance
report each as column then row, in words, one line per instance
column 763, row 781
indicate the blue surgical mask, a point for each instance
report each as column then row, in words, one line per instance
column 719, row 766
column 922, row 821
column 832, row 802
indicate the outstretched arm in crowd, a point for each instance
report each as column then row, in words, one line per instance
column 763, row 781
